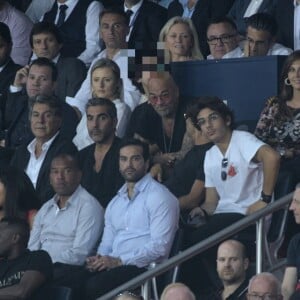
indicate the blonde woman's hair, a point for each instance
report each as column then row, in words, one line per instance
column 195, row 50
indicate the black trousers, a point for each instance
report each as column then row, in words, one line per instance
column 102, row 282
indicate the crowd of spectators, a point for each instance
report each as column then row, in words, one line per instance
column 103, row 158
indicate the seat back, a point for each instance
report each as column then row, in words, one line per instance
column 53, row 292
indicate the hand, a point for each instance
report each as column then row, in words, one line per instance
column 157, row 172
column 256, row 206
column 246, row 49
column 197, row 211
column 21, row 77
column 166, row 159
column 100, row 263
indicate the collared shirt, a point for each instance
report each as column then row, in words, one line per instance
column 91, row 28
column 252, row 8
column 135, row 9
column 35, row 163
column 69, row 234
column 131, row 95
column 187, row 12
column 278, row 49
column 37, row 8
column 235, row 53
column 296, row 25
column 140, row 230
column 20, row 27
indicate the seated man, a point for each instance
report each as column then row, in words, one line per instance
column 100, row 161
column 238, row 159
column 187, row 179
column 40, row 78
column 22, row 272
column 261, row 35
column 292, row 271
column 263, row 286
column 46, row 41
column 222, row 38
column 78, row 23
column 69, row 225
column 177, row 291
column 35, row 157
column 140, row 224
column 232, row 265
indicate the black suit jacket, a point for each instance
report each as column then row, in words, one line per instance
column 7, row 76
column 285, row 21
column 205, row 10
column 147, row 25
column 71, row 73
column 22, row 156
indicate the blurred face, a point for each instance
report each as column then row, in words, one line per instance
column 163, row 96
column 45, row 45
column 179, row 40
column 40, row 81
column 5, row 50
column 6, row 240
column 101, row 126
column 231, row 266
column 259, row 41
column 104, row 83
column 221, row 39
column 132, row 164
column 64, row 176
column 44, row 122
column 2, row 194
column 263, row 287
column 212, row 125
column 295, row 205
column 294, row 75
column 113, row 31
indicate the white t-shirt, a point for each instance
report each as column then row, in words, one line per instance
column 244, row 181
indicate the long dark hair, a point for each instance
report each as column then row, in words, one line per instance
column 20, row 194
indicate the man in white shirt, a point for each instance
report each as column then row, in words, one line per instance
column 261, row 35
column 79, row 26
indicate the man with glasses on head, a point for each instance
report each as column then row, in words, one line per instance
column 222, row 38
column 264, row 286
column 240, row 171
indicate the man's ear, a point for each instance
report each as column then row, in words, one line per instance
column 228, row 121
column 16, row 238
column 246, row 263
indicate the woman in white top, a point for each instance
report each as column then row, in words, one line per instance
column 105, row 83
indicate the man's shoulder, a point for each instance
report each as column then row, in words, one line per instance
column 70, row 62
column 279, row 49
column 151, row 8
column 85, row 199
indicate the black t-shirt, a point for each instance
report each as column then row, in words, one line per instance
column 12, row 270
column 187, row 171
column 293, row 256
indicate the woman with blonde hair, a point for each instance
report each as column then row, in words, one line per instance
column 180, row 40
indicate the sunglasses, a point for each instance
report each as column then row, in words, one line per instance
column 224, row 169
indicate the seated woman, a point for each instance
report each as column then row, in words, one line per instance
column 180, row 40
column 17, row 195
column 279, row 123
column 105, row 83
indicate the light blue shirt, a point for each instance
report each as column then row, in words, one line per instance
column 69, row 234
column 140, row 230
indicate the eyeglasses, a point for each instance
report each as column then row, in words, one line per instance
column 224, row 171
column 225, row 39
column 130, row 294
column 262, row 297
column 163, row 97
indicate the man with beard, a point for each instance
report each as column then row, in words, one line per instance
column 232, row 264
column 100, row 161
column 140, row 224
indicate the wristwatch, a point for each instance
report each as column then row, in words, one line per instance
column 265, row 198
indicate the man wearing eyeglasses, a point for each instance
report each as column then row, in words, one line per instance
column 222, row 38
column 240, row 170
column 264, row 286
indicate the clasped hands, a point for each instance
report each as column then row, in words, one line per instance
column 100, row 263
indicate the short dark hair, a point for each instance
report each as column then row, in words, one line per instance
column 223, row 19
column 263, row 21
column 52, row 101
column 112, row 111
column 19, row 226
column 139, row 143
column 213, row 103
column 5, row 33
column 45, row 27
column 43, row 61
column 116, row 11
column 73, row 157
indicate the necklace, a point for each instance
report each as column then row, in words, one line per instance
column 167, row 149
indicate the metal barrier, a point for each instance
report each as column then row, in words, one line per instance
column 257, row 217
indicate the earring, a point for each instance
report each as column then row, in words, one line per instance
column 287, row 81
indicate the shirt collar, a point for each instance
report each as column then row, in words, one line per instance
column 45, row 146
column 135, row 7
column 71, row 199
column 68, row 3
column 296, row 3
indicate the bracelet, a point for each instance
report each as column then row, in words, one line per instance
column 266, row 198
